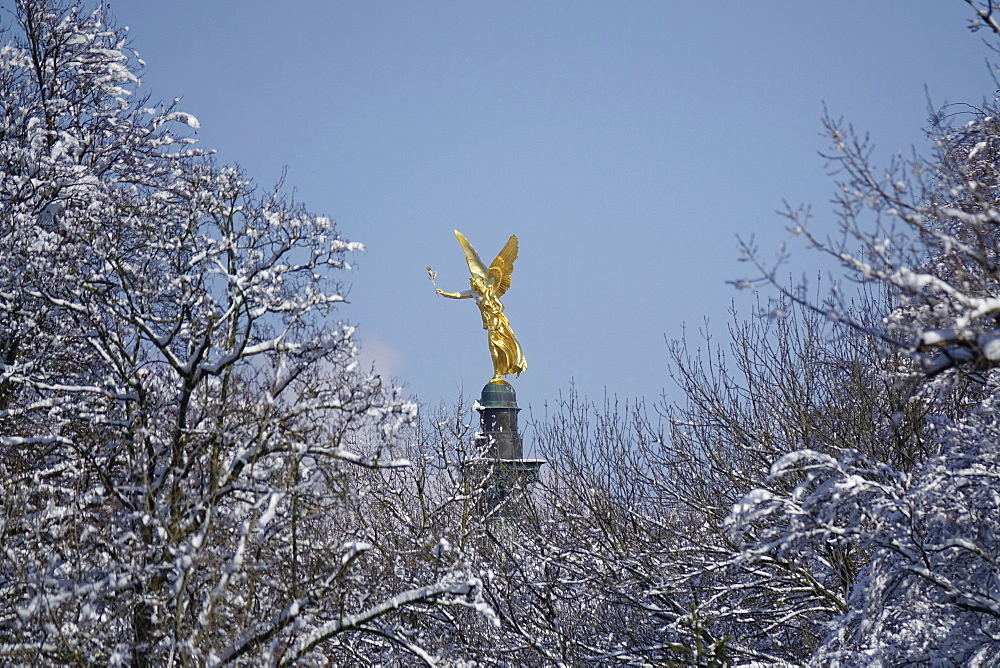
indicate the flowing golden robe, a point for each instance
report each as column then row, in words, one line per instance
column 504, row 346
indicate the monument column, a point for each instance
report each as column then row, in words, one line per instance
column 498, row 443
column 498, row 437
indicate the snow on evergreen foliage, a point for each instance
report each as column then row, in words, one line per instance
column 931, row 592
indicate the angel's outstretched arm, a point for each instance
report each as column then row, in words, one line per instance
column 465, row 294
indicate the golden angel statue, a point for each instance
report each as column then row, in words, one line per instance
column 488, row 285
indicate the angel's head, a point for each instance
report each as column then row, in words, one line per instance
column 478, row 284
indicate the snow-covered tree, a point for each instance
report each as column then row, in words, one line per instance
column 180, row 414
column 624, row 555
column 924, row 233
column 930, row 593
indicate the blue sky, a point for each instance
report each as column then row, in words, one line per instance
column 627, row 144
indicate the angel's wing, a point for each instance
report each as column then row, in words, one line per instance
column 476, row 265
column 503, row 266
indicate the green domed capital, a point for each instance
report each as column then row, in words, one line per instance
column 498, row 395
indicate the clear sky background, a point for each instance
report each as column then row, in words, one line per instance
column 627, row 144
